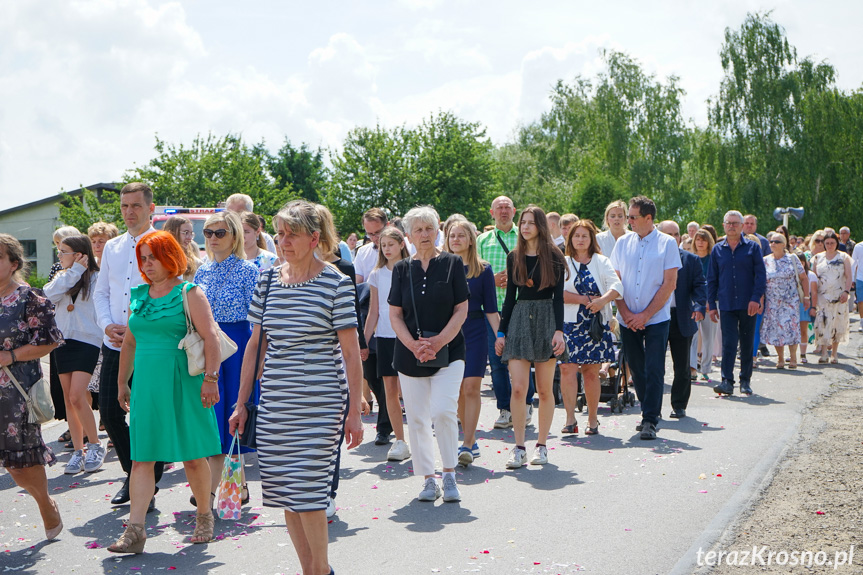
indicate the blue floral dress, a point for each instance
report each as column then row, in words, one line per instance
column 582, row 349
column 780, row 324
column 26, row 317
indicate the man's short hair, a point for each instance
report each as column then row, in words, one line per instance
column 645, row 206
column 567, row 219
column 844, row 230
column 690, row 224
column 376, row 215
column 553, row 216
column 749, row 216
column 248, row 202
column 135, row 187
column 733, row 213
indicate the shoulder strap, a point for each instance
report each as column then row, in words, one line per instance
column 500, row 241
column 261, row 332
column 413, row 296
column 449, row 271
column 190, row 327
column 18, row 385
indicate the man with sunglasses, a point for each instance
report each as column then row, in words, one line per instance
column 119, row 274
column 736, row 282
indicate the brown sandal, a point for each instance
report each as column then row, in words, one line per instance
column 131, row 541
column 204, row 525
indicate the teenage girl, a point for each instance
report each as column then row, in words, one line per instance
column 531, row 327
column 391, row 250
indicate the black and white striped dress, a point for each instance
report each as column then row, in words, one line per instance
column 304, row 388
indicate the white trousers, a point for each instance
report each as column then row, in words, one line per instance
column 708, row 331
column 433, row 401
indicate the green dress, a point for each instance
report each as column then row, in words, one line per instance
column 167, row 420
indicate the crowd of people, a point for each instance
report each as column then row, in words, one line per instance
column 411, row 319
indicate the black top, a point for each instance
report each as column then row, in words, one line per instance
column 516, row 293
column 436, row 299
column 347, row 268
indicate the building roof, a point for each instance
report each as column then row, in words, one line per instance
column 58, row 197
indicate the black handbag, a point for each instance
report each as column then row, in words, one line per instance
column 249, row 436
column 442, row 357
column 596, row 329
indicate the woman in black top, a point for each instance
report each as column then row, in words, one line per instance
column 531, row 327
column 433, row 286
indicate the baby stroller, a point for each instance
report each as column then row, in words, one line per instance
column 614, row 389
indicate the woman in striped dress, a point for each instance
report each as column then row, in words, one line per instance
column 308, row 315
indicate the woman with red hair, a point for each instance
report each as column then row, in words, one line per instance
column 171, row 412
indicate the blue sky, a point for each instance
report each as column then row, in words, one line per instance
column 86, row 85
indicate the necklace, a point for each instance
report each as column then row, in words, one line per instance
column 301, row 280
column 529, row 282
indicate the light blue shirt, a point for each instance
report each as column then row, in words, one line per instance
column 641, row 263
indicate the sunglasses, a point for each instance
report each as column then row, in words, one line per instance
column 218, row 233
column 776, row 242
column 819, row 241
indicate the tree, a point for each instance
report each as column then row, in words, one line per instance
column 209, row 171
column 300, row 168
column 87, row 209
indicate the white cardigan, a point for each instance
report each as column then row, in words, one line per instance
column 605, row 277
column 79, row 324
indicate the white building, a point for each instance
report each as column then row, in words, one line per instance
column 33, row 225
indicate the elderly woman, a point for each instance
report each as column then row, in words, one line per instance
column 591, row 286
column 305, row 322
column 833, row 269
column 228, row 281
column 27, row 333
column 170, row 412
column 428, row 305
column 780, row 323
column 183, row 231
column 99, row 234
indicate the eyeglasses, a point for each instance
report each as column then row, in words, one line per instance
column 218, row 233
column 733, row 223
column 189, row 234
column 62, row 253
column 374, row 235
column 776, row 242
column 631, row 218
column 819, row 241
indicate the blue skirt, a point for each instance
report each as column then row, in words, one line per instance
column 229, row 380
column 475, row 346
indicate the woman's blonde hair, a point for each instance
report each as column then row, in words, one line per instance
column 252, row 220
column 299, row 216
column 392, row 233
column 816, row 235
column 475, row 265
column 615, row 204
column 234, row 227
column 328, row 244
column 15, row 253
column 106, row 229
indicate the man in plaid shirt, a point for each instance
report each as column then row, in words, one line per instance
column 493, row 246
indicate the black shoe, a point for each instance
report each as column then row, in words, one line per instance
column 764, row 351
column 678, row 413
column 745, row 388
column 122, row 495
column 382, row 438
column 152, row 506
column 726, row 387
column 648, row 431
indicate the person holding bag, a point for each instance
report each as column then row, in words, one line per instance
column 305, row 322
column 428, row 305
column 171, row 414
column 72, row 292
column 591, row 286
column 27, row 332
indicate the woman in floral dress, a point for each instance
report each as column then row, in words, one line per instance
column 27, row 333
column 833, row 269
column 780, row 325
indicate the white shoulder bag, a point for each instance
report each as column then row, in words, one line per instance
column 193, row 343
column 40, row 406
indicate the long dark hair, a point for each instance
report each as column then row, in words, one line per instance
column 80, row 244
column 550, row 262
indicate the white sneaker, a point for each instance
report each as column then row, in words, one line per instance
column 76, row 463
column 517, row 459
column 399, row 451
column 540, row 455
column 528, row 415
column 95, row 457
column 431, row 490
column 450, row 489
column 860, row 329
column 331, row 506
column 504, row 421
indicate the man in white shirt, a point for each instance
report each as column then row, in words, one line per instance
column 374, row 221
column 244, row 203
column 554, row 230
column 647, row 263
column 118, row 275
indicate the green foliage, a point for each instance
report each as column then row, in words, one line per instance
column 301, row 169
column 37, row 281
column 595, row 193
column 85, row 210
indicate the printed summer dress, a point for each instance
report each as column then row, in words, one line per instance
column 582, row 349
column 780, row 324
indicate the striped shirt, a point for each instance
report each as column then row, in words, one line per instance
column 490, row 250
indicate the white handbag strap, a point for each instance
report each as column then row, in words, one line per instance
column 18, row 385
column 190, row 327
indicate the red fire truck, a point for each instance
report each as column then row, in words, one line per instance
column 195, row 215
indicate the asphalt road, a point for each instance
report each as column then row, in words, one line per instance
column 607, row 504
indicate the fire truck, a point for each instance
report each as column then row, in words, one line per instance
column 195, row 215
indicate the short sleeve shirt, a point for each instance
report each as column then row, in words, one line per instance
column 381, row 279
column 491, row 250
